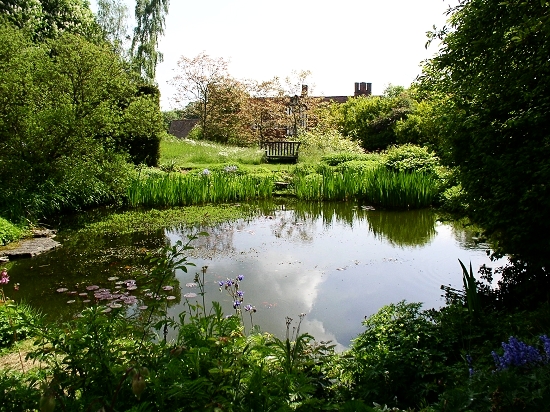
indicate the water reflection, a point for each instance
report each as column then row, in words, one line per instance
column 336, row 262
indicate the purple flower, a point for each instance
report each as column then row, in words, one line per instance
column 221, row 283
column 240, row 277
column 546, row 345
column 205, row 172
column 240, row 293
column 236, row 304
column 228, row 283
column 249, row 308
column 516, row 353
column 4, row 278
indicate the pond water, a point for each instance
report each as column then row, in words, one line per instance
column 335, row 262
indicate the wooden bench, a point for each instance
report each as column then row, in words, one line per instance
column 281, row 150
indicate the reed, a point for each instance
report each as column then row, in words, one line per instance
column 177, row 189
column 378, row 186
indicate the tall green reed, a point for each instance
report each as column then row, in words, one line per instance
column 177, row 189
column 376, row 185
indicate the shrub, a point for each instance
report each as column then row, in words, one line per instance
column 409, row 158
column 15, row 322
column 9, row 232
column 335, row 159
column 328, row 141
column 394, row 360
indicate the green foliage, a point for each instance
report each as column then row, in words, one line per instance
column 18, row 391
column 375, row 185
column 150, row 19
column 408, row 158
column 496, row 74
column 371, row 120
column 9, row 232
column 16, row 322
column 48, row 19
column 329, row 141
column 176, row 189
column 335, row 159
column 141, row 131
column 71, row 117
column 394, row 360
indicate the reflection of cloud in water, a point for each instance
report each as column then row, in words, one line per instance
column 316, row 329
column 290, row 282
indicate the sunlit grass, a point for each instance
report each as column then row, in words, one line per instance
column 185, row 153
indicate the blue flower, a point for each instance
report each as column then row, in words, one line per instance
column 546, row 345
column 206, row 172
column 236, row 304
column 240, row 277
column 516, row 353
column 240, row 293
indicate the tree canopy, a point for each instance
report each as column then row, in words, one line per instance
column 494, row 72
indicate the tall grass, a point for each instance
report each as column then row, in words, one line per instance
column 177, row 189
column 377, row 185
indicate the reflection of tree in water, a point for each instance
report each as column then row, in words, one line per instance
column 299, row 222
column 218, row 241
column 287, row 226
column 468, row 238
column 408, row 228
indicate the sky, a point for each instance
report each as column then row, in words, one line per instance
column 341, row 42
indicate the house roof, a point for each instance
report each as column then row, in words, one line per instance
column 181, row 128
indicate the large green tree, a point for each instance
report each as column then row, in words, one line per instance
column 371, row 120
column 70, row 116
column 47, row 19
column 150, row 22
column 494, row 69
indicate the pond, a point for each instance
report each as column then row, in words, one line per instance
column 335, row 262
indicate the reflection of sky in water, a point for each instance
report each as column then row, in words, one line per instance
column 337, row 274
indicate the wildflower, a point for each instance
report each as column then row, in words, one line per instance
column 221, row 283
column 236, row 304
column 205, row 172
column 240, row 278
column 4, row 278
column 516, row 353
column 240, row 293
column 546, row 345
column 249, row 308
column 230, row 169
column 470, row 366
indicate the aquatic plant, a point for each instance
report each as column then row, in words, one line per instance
column 176, row 189
column 376, row 185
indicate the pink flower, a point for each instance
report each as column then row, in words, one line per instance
column 4, row 278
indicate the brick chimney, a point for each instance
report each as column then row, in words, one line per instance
column 363, row 89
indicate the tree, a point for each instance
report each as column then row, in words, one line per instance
column 47, row 19
column 150, row 16
column 205, row 82
column 372, row 120
column 70, row 117
column 495, row 73
column 112, row 16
